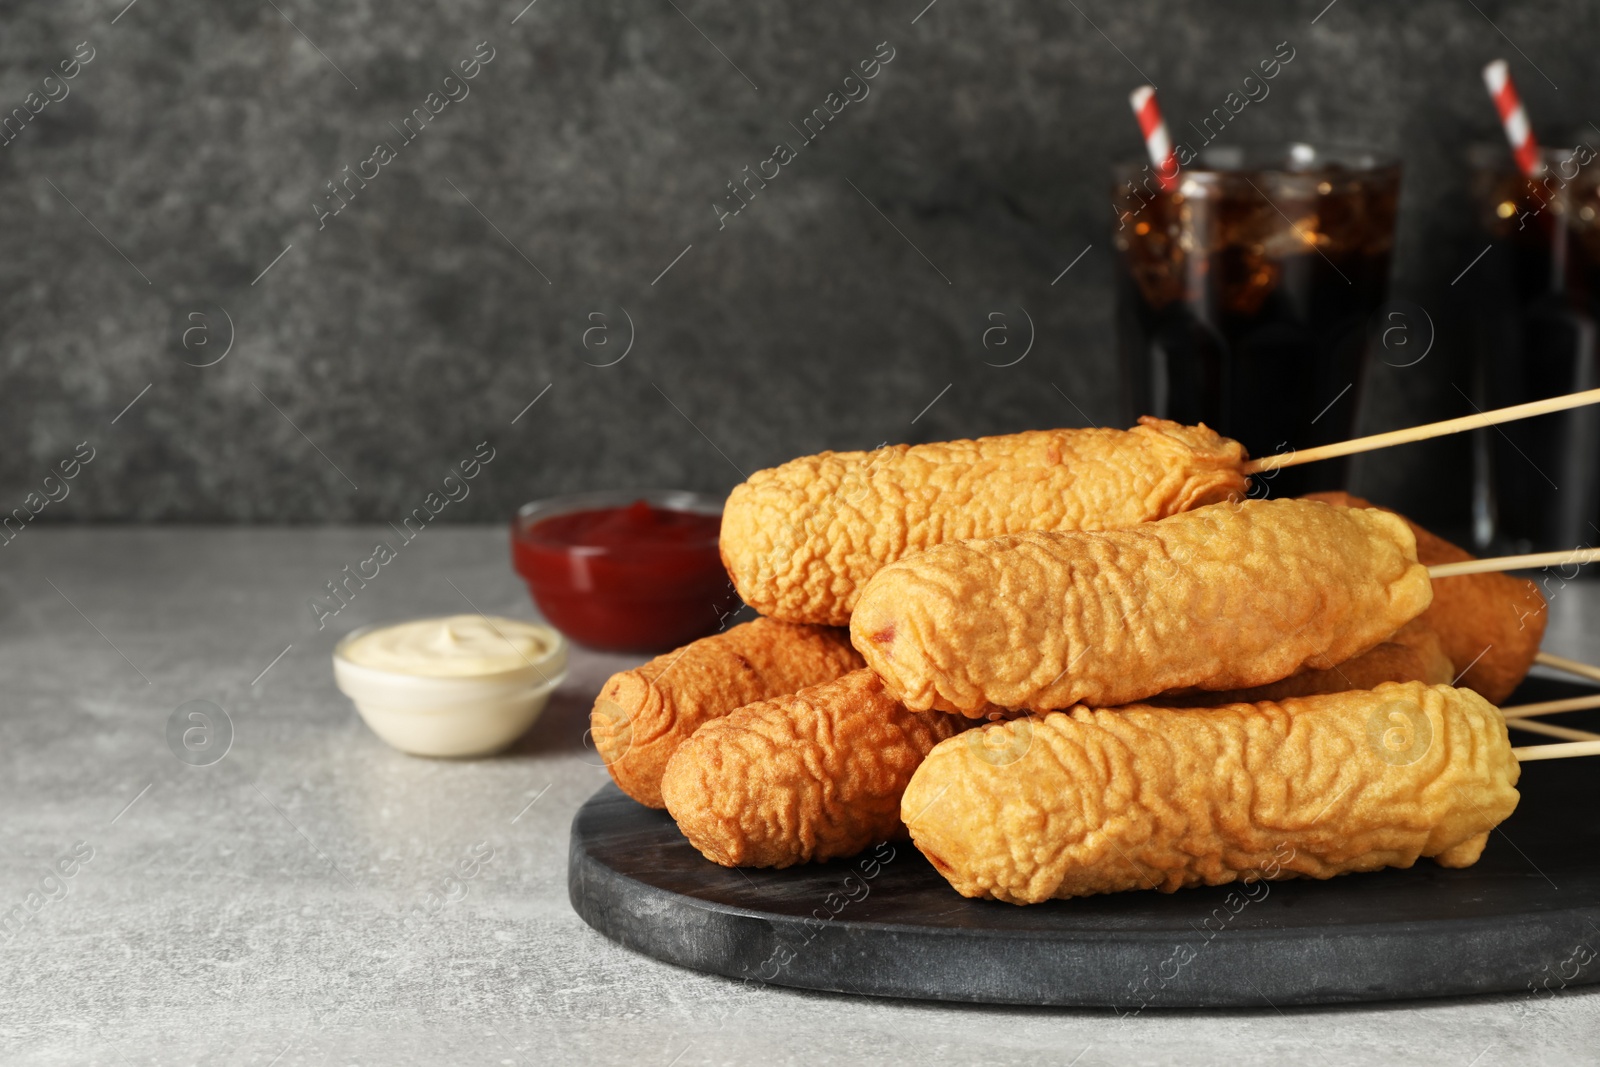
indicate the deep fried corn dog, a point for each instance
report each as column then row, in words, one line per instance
column 1085, row 802
column 642, row 716
column 801, row 778
column 1413, row 654
column 801, row 539
column 1226, row 597
column 1491, row 624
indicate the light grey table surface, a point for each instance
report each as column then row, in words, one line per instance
column 251, row 912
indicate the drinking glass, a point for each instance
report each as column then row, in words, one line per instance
column 1246, row 294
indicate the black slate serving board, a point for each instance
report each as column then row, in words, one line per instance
column 1525, row 919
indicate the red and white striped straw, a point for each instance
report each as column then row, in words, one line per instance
column 1156, row 140
column 1497, row 76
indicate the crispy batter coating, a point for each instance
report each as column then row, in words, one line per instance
column 801, row 778
column 642, row 716
column 800, row 540
column 1226, row 597
column 1071, row 804
column 1414, row 654
column 1491, row 624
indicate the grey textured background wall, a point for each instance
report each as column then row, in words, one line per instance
column 166, row 207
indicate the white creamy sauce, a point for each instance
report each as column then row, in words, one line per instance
column 459, row 646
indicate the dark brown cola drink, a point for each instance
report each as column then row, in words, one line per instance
column 1246, row 296
column 1536, row 292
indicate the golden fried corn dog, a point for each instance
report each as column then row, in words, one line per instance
column 1226, row 597
column 1491, row 624
column 1413, row 654
column 801, row 778
column 800, row 540
column 642, row 716
column 1071, row 804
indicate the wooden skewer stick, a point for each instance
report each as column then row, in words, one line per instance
column 1513, row 563
column 1534, row 726
column 1550, row 707
column 1571, row 666
column 1563, row 750
column 1423, row 432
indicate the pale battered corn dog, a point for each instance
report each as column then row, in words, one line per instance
column 800, row 540
column 801, row 778
column 1413, row 654
column 1226, row 597
column 1071, row 804
column 642, row 716
column 1491, row 624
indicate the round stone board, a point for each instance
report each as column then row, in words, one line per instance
column 1525, row 919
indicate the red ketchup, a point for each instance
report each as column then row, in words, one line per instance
column 638, row 578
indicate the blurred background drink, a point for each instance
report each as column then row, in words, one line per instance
column 1245, row 295
column 1536, row 294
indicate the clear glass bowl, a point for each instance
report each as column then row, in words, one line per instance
column 655, row 582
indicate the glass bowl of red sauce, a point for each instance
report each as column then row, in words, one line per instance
column 625, row 571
